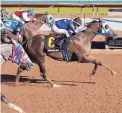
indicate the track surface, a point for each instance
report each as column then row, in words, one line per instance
column 77, row 93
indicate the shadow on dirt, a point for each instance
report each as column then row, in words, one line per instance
column 74, row 82
column 9, row 80
column 6, row 78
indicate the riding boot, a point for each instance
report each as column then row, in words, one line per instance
column 63, row 43
column 63, row 47
column 58, row 40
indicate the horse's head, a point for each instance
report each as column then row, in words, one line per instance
column 100, row 27
column 109, row 31
column 44, row 18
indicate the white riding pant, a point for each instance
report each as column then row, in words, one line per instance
column 55, row 29
column 17, row 18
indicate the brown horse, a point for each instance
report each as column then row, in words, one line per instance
column 78, row 47
column 30, row 29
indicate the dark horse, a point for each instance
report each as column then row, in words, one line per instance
column 78, row 47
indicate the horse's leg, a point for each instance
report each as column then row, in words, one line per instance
column 36, row 52
column 43, row 70
column 90, row 59
column 80, row 52
column 109, row 69
column 40, row 60
column 18, row 76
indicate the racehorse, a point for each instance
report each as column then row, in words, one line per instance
column 7, row 49
column 78, row 48
column 30, row 29
column 14, row 53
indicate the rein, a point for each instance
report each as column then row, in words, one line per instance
column 96, row 33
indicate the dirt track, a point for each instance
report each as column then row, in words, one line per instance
column 78, row 93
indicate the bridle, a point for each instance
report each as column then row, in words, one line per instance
column 99, row 30
column 45, row 14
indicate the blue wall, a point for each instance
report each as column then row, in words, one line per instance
column 61, row 1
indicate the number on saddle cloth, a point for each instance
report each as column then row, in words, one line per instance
column 53, row 42
column 20, row 56
column 58, row 43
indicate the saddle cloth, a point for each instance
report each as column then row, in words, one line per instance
column 56, row 44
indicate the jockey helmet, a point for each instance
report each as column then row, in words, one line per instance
column 78, row 21
column 31, row 11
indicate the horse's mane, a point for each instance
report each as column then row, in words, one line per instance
column 91, row 23
column 37, row 15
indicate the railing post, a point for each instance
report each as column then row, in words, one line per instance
column 93, row 10
column 58, row 10
column 81, row 11
column 19, row 7
column 97, row 10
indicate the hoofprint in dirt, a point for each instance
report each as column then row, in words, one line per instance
column 78, row 93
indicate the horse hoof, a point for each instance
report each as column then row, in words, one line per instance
column 114, row 72
column 55, row 85
column 17, row 84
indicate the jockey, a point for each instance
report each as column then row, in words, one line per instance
column 14, row 26
column 19, row 18
column 68, row 27
column 24, row 15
